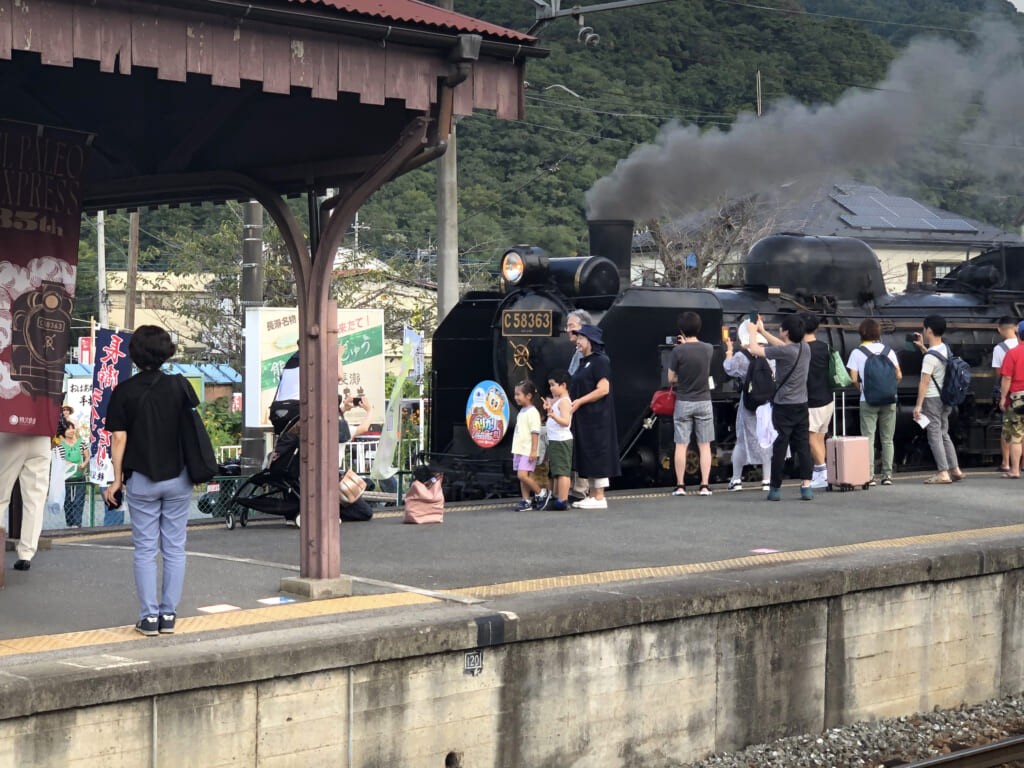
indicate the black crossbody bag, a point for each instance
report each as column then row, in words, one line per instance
column 196, row 448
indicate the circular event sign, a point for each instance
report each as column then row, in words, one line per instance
column 487, row 414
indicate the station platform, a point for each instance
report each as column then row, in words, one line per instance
column 80, row 591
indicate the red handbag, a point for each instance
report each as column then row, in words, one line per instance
column 664, row 402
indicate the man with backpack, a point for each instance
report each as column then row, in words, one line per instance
column 939, row 376
column 875, row 369
column 820, row 403
column 1007, row 328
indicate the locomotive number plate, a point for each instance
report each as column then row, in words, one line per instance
column 527, row 322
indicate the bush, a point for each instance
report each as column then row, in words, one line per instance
column 223, row 425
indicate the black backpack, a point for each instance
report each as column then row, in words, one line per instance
column 957, row 381
column 759, row 384
column 879, row 382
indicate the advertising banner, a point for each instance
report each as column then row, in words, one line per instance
column 79, row 397
column 112, row 367
column 487, row 414
column 40, row 215
column 271, row 338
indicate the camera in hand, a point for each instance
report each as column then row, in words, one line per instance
column 357, row 401
column 910, row 337
column 118, row 500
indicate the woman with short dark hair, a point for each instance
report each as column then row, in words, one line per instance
column 142, row 418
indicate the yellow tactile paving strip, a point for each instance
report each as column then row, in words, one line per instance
column 208, row 623
column 660, row 572
column 289, row 611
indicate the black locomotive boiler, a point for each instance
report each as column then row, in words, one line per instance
column 517, row 332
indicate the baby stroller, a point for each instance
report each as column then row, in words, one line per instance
column 275, row 489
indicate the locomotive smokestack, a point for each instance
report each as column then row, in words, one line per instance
column 911, row 274
column 613, row 239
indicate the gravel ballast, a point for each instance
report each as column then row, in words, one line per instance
column 884, row 743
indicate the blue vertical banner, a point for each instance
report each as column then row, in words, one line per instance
column 112, row 367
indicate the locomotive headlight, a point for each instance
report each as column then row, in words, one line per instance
column 512, row 267
column 524, row 265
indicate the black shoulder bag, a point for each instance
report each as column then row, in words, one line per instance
column 196, row 448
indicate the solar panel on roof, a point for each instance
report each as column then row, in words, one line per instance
column 868, row 222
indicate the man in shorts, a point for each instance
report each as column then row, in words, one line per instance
column 819, row 398
column 689, row 371
column 1011, row 402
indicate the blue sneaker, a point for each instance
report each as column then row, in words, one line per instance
column 148, row 626
column 806, row 494
column 774, row 494
column 523, row 505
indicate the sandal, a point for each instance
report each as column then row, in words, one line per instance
column 937, row 480
column 1003, row 469
column 705, row 490
column 957, row 477
column 1008, row 476
column 679, row 491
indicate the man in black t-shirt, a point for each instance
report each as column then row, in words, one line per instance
column 689, row 370
column 820, row 404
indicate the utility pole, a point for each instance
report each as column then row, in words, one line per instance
column 447, row 220
column 101, row 267
column 253, row 443
column 758, row 81
column 133, row 270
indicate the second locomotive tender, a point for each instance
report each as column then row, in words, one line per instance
column 518, row 333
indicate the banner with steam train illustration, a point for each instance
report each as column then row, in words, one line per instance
column 40, row 214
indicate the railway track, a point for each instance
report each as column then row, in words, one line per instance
column 998, row 753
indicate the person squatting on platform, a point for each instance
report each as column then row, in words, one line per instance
column 748, row 449
column 1007, row 328
column 142, row 419
column 526, row 447
column 1011, row 403
column 789, row 409
column 929, row 400
column 820, row 403
column 875, row 370
column 559, row 410
column 689, row 371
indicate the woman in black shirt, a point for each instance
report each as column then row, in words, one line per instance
column 142, row 418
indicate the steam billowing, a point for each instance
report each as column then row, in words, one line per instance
column 931, row 89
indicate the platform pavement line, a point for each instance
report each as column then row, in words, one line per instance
column 659, row 572
column 211, row 622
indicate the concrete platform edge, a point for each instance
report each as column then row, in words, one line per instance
column 60, row 680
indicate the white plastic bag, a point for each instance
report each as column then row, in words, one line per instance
column 54, row 510
column 766, row 432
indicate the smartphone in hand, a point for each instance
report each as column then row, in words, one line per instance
column 753, row 316
column 118, row 500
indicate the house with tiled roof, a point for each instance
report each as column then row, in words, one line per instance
column 901, row 230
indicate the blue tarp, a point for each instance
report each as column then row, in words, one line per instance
column 208, row 372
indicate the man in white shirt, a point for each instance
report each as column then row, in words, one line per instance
column 1007, row 327
column 929, row 401
column 879, row 417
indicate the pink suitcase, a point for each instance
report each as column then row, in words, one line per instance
column 847, row 459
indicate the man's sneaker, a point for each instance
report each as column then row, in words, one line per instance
column 559, row 505
column 774, row 494
column 765, row 487
column 679, row 491
column 735, row 485
column 819, row 482
column 148, row 626
column 806, row 494
column 540, row 501
column 872, row 482
column 523, row 505
column 886, row 480
column 591, row 503
column 167, row 623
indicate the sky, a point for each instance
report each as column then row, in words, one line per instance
column 1019, row 4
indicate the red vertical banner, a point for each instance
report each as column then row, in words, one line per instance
column 40, row 214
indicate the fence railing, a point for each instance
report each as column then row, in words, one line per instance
column 359, row 454
column 226, row 452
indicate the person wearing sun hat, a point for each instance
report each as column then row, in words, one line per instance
column 595, row 439
column 748, row 449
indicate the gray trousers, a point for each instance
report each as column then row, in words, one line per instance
column 938, row 433
column 159, row 514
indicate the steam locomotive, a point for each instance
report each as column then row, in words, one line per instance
column 518, row 333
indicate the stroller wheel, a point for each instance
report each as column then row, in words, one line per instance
column 243, row 517
column 230, row 521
